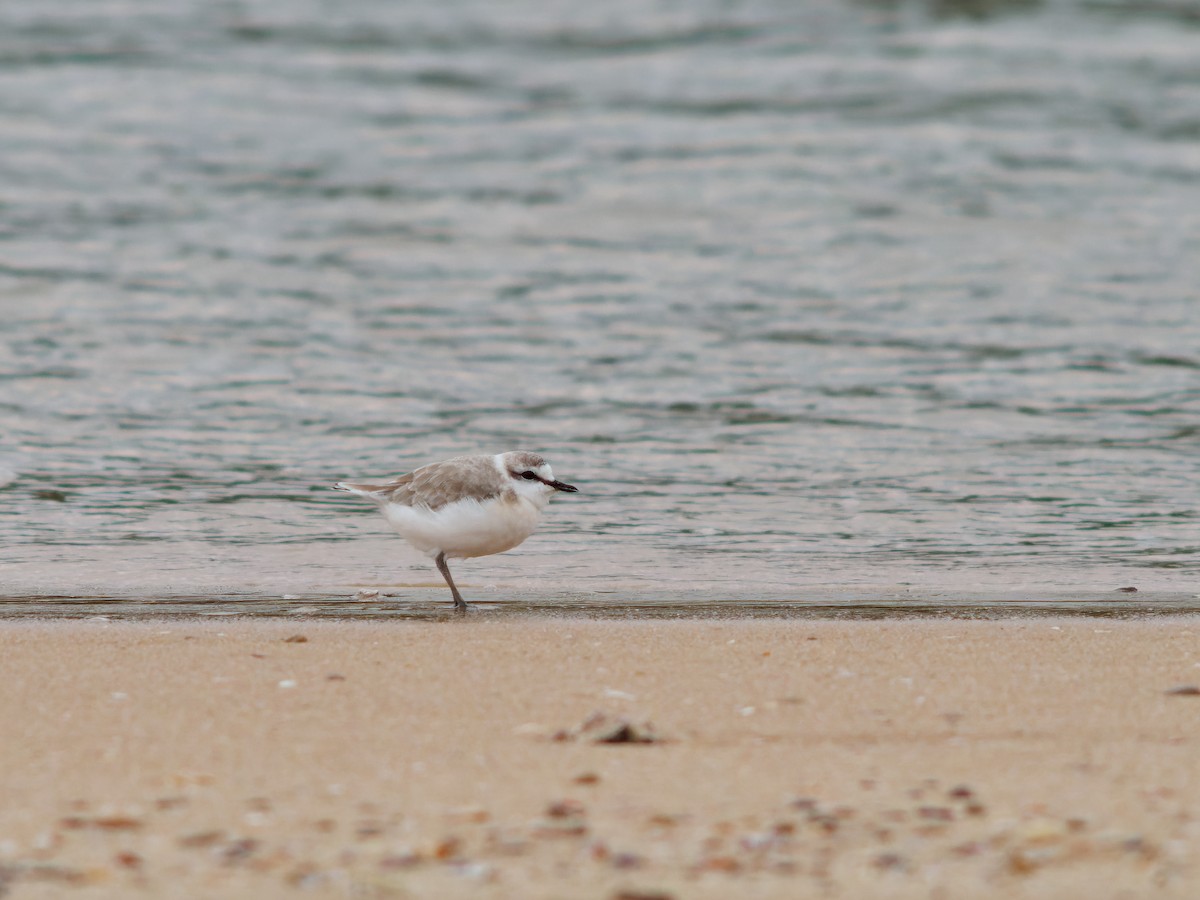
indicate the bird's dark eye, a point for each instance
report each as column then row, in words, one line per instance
column 530, row 476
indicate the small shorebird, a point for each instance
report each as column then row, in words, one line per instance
column 466, row 506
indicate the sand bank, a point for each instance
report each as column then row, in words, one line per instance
column 898, row 759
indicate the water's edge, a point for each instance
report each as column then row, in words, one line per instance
column 428, row 605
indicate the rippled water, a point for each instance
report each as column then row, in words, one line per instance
column 850, row 300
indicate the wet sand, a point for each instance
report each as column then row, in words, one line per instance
column 770, row 759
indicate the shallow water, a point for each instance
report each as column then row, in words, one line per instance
column 825, row 305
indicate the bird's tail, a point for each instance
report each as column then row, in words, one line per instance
column 362, row 489
column 370, row 491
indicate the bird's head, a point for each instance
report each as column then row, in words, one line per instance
column 531, row 475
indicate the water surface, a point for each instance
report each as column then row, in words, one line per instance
column 850, row 303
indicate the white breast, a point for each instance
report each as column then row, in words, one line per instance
column 466, row 528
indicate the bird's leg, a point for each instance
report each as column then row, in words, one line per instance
column 459, row 602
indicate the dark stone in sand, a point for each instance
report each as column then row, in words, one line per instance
column 1184, row 690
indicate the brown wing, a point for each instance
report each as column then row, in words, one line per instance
column 439, row 484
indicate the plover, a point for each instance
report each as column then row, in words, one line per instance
column 466, row 506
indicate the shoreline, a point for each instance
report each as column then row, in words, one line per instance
column 898, row 758
column 432, row 605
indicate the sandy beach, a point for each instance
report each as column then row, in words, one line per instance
column 575, row 758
